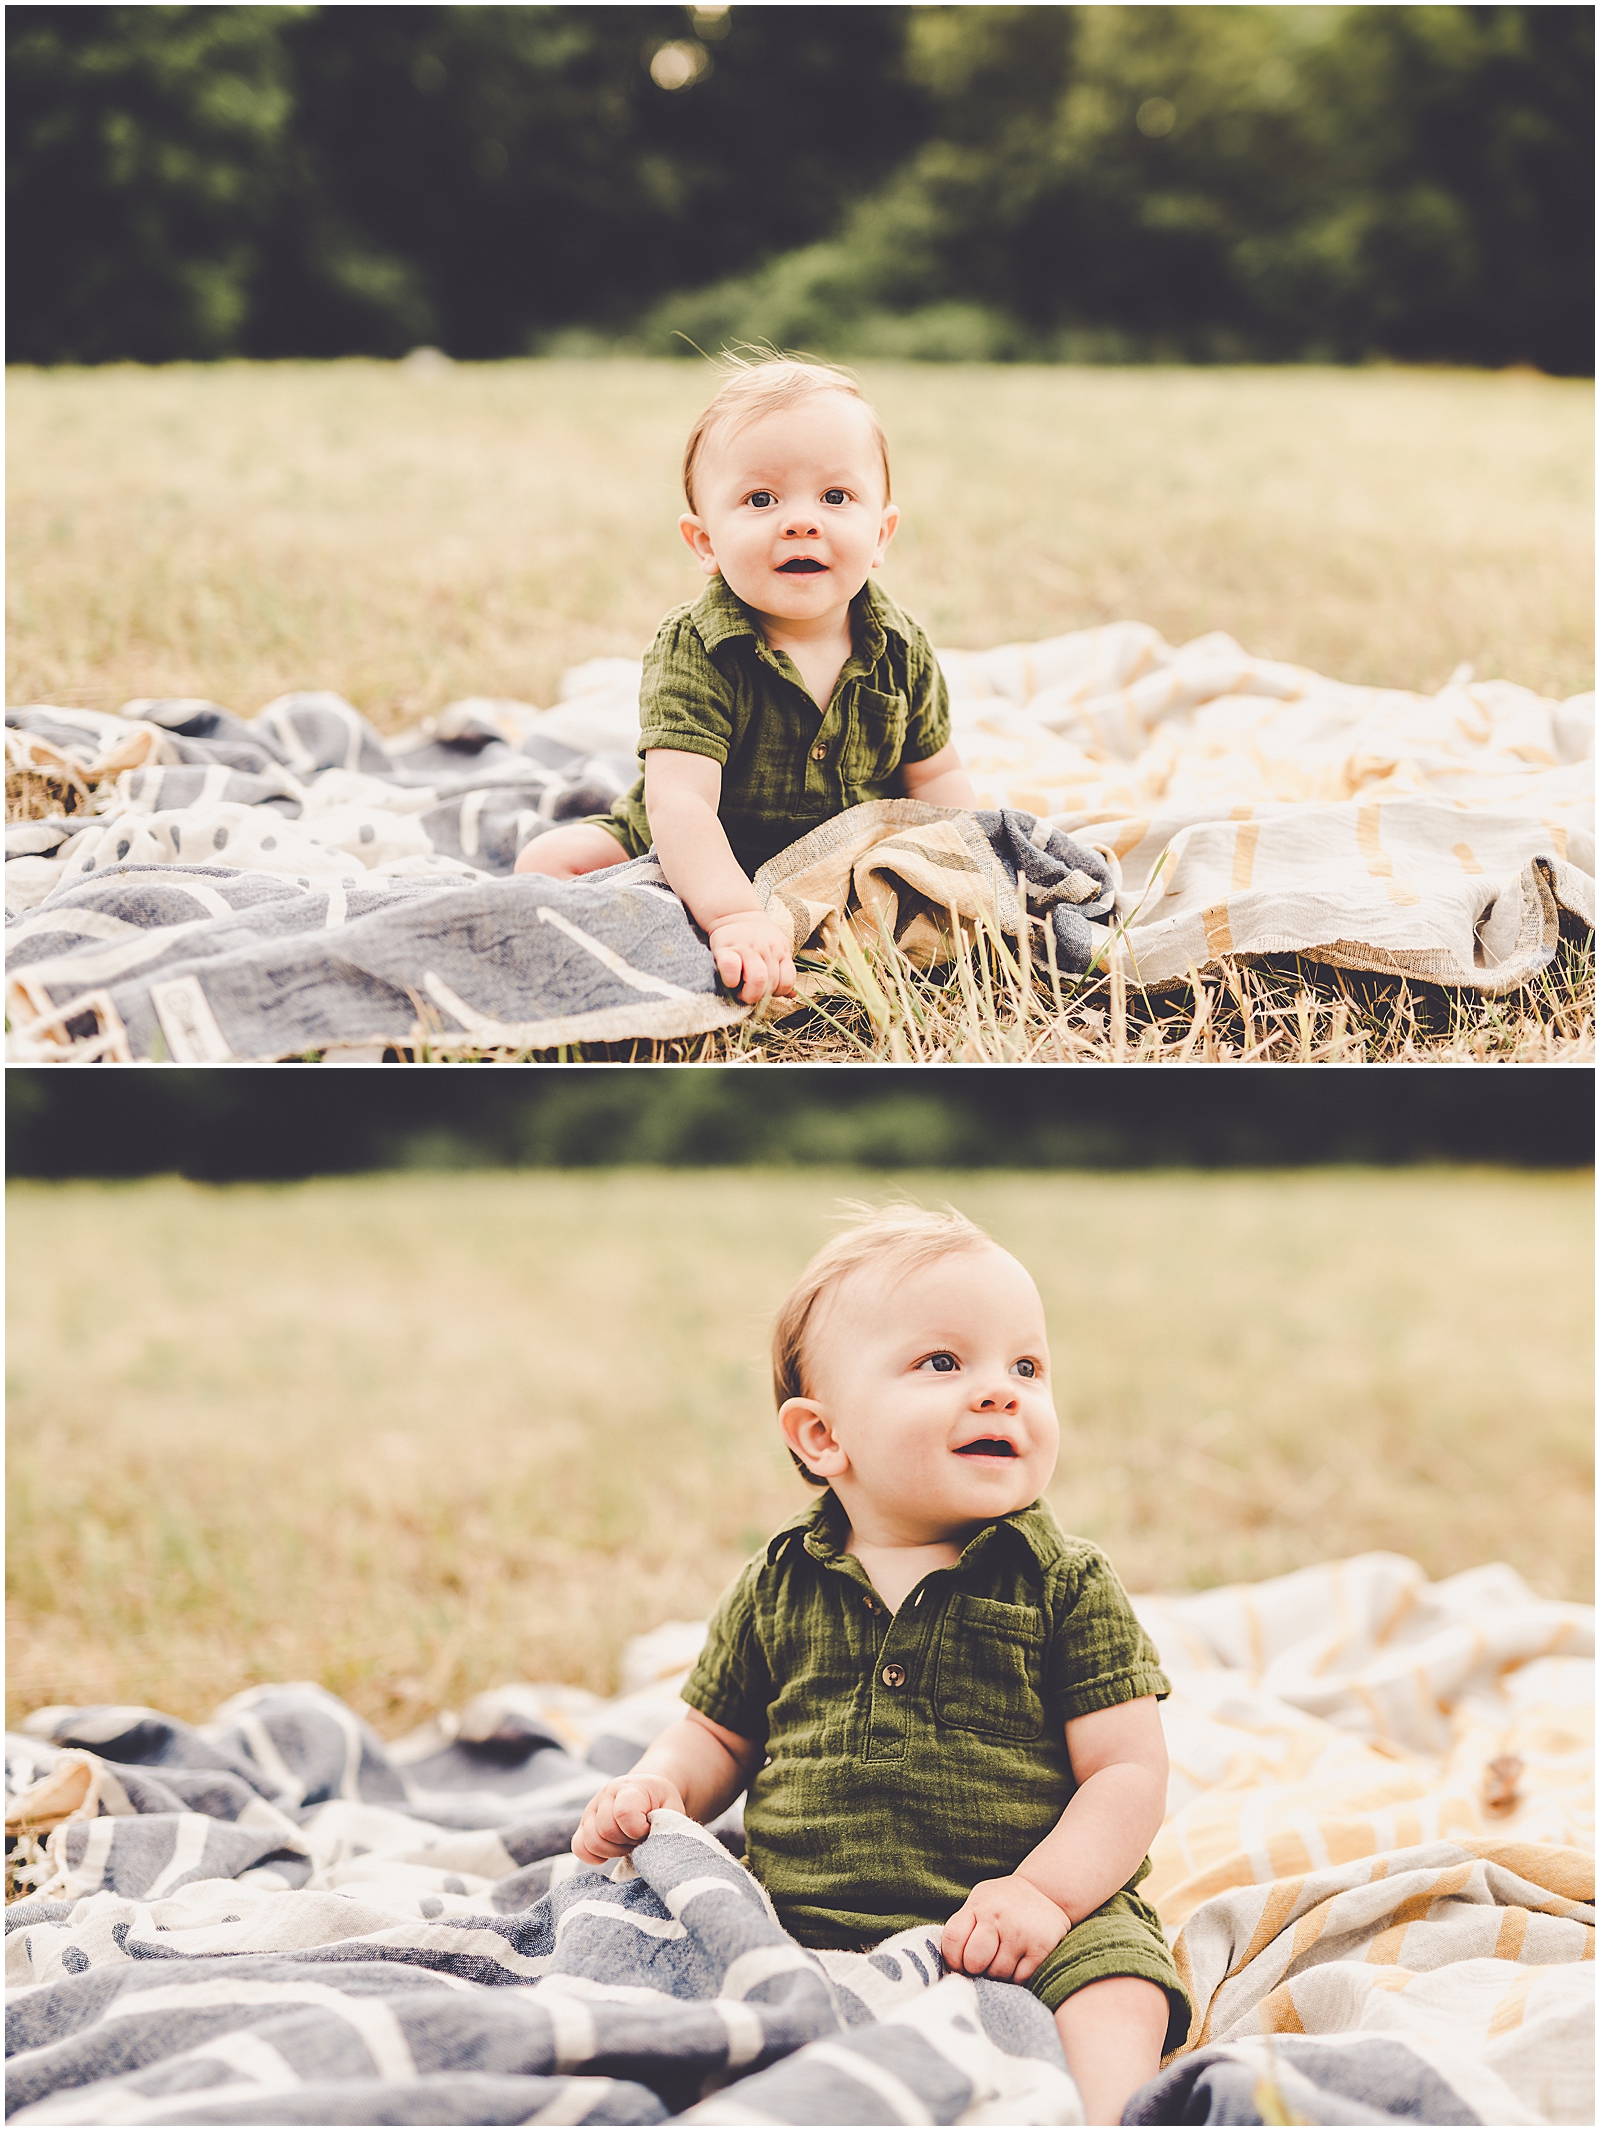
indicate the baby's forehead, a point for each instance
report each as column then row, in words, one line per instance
column 838, row 421
column 893, row 1286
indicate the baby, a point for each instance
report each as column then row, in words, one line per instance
column 792, row 688
column 942, row 1707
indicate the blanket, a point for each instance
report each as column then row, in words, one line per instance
column 203, row 887
column 1377, row 1870
column 295, row 885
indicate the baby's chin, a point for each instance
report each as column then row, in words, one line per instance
column 999, row 1487
column 793, row 593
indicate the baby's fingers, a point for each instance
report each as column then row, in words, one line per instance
column 589, row 1846
column 978, row 1955
column 956, row 1933
column 730, row 965
column 631, row 1811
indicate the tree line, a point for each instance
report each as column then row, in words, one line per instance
column 278, row 1123
column 1033, row 182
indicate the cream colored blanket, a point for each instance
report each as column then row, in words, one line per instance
column 1256, row 808
column 1381, row 1823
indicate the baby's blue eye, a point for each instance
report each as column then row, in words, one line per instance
column 1024, row 1368
column 833, row 495
column 941, row 1364
column 762, row 498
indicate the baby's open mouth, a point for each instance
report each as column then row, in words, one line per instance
column 801, row 565
column 990, row 1446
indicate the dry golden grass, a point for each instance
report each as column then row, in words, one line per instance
column 236, row 530
column 878, row 1008
column 414, row 1435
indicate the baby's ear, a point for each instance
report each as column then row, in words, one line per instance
column 886, row 531
column 698, row 540
column 809, row 1434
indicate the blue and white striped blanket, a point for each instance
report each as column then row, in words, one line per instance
column 453, row 1963
column 236, row 890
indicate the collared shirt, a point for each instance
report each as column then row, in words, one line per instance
column 713, row 686
column 912, row 1754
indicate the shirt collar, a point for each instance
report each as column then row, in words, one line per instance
column 819, row 1529
column 719, row 614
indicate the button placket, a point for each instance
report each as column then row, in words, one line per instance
column 894, row 1666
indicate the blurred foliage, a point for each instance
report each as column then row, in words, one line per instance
column 354, row 180
column 275, row 1122
column 1218, row 183
column 145, row 149
column 1212, row 183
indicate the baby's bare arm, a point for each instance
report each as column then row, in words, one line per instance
column 940, row 780
column 1006, row 1926
column 751, row 950
column 694, row 1767
column 1119, row 1757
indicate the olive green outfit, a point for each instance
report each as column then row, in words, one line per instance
column 713, row 686
column 912, row 1754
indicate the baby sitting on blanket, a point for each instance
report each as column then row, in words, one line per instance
column 792, row 688
column 943, row 1708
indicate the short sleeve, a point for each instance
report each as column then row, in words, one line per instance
column 1099, row 1654
column 928, row 715
column 684, row 701
column 730, row 1682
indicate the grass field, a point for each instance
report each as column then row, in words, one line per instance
column 407, row 537
column 415, row 1435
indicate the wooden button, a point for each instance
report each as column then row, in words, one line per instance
column 894, row 1675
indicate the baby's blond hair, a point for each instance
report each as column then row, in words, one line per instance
column 758, row 381
column 900, row 1239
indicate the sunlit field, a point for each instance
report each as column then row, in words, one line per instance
column 407, row 537
column 415, row 1435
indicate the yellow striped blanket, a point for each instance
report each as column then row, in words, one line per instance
column 1253, row 807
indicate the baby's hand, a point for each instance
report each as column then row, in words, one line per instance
column 1004, row 1929
column 752, row 955
column 618, row 1816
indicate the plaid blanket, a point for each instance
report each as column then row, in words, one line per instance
column 1378, row 1865
column 294, row 885
column 203, row 887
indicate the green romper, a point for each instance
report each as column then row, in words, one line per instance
column 713, row 686
column 911, row 1755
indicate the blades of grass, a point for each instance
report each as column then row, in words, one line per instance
column 866, row 986
column 1118, row 931
column 846, row 1035
column 1200, row 1016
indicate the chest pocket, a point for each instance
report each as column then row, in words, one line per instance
column 991, row 1669
column 876, row 736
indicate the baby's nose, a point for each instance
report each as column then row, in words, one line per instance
column 800, row 529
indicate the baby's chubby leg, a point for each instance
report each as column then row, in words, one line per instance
column 562, row 854
column 1112, row 2032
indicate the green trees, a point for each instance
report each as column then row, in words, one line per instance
column 1188, row 182
column 1218, row 182
column 144, row 152
column 273, row 1122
